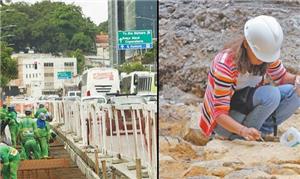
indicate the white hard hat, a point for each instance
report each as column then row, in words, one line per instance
column 42, row 116
column 264, row 36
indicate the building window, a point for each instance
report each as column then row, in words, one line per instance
column 26, row 76
column 49, row 84
column 70, row 64
column 48, row 74
column 29, row 75
column 25, row 66
column 48, row 64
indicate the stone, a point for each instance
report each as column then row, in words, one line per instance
column 203, row 177
column 294, row 167
column 193, row 132
column 248, row 173
column 171, row 9
column 213, row 167
column 165, row 157
column 249, row 152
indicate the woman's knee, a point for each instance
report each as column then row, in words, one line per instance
column 268, row 95
column 287, row 91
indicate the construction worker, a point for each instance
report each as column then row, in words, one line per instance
column 13, row 124
column 27, row 137
column 42, row 133
column 3, row 118
column 10, row 159
column 239, row 103
column 41, row 109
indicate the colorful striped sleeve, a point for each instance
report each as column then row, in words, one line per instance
column 276, row 71
column 223, row 88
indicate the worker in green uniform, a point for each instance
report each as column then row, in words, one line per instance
column 27, row 137
column 42, row 133
column 12, row 124
column 10, row 158
column 3, row 116
column 41, row 109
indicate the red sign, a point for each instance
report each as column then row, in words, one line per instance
column 99, row 76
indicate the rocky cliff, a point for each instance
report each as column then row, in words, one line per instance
column 191, row 32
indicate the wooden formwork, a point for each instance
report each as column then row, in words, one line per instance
column 37, row 169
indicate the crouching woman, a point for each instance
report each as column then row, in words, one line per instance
column 238, row 103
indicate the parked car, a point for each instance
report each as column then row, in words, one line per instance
column 127, row 100
column 97, row 99
column 52, row 97
column 74, row 93
column 71, row 98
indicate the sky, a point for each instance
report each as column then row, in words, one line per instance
column 97, row 10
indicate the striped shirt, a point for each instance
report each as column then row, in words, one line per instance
column 221, row 85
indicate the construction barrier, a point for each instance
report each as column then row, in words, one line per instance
column 129, row 131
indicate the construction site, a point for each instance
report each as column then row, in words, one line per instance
column 191, row 33
column 95, row 141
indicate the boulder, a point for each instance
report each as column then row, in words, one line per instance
column 248, row 173
column 193, row 132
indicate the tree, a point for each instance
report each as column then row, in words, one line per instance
column 80, row 59
column 50, row 27
column 129, row 67
column 103, row 27
column 81, row 41
column 8, row 66
column 150, row 56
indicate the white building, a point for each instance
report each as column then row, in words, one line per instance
column 96, row 61
column 44, row 74
column 102, row 46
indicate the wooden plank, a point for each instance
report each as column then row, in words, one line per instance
column 44, row 164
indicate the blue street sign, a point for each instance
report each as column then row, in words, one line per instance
column 138, row 46
column 64, row 75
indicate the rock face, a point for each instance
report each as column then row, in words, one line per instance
column 192, row 32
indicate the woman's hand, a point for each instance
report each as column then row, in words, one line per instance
column 250, row 133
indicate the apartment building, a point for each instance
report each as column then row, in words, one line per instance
column 44, row 74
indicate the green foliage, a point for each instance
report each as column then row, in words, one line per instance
column 150, row 56
column 78, row 54
column 81, row 41
column 8, row 65
column 103, row 27
column 50, row 27
column 129, row 67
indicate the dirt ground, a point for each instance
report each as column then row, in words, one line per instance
column 225, row 159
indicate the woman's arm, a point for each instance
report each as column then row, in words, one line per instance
column 231, row 125
column 288, row 78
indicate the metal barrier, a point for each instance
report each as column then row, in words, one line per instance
column 126, row 130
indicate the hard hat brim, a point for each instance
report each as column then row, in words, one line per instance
column 266, row 57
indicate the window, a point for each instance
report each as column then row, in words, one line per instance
column 49, row 84
column 26, row 76
column 70, row 64
column 29, row 75
column 48, row 64
column 48, row 74
column 25, row 66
